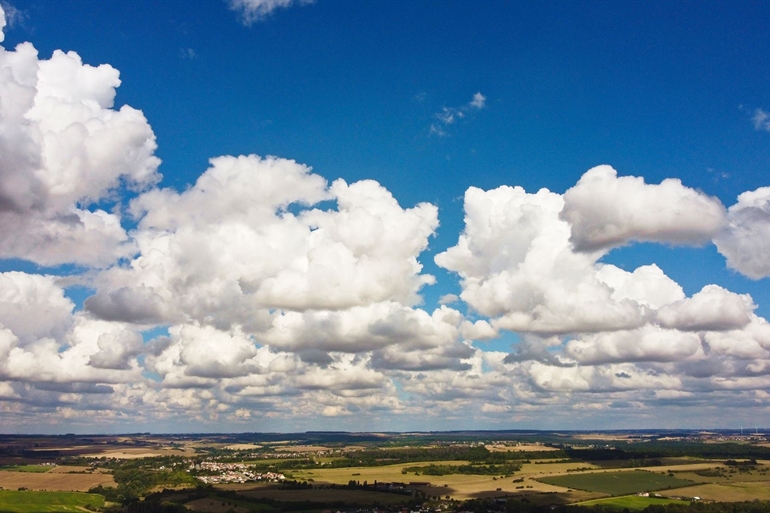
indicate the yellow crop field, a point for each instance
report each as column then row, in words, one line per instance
column 54, row 481
column 458, row 486
column 243, row 447
column 733, row 492
column 385, row 473
column 519, row 448
column 542, row 469
column 301, row 448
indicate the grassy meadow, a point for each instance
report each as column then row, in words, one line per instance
column 26, row 468
column 617, row 483
column 47, row 502
column 631, row 502
column 216, row 504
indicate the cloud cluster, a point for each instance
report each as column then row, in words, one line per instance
column 531, row 263
column 263, row 293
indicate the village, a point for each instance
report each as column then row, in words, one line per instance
column 233, row 473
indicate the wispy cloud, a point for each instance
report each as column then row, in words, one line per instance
column 761, row 120
column 187, row 53
column 479, row 101
column 9, row 16
column 449, row 115
column 12, row 14
column 253, row 11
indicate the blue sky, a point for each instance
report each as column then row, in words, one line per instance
column 365, row 91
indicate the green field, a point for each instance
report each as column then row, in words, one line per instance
column 27, row 468
column 631, row 502
column 217, row 504
column 617, row 483
column 45, row 502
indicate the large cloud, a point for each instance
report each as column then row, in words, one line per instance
column 745, row 242
column 363, row 329
column 604, row 378
column 64, row 149
column 605, row 210
column 587, row 327
column 711, row 309
column 231, row 247
column 517, row 265
column 42, row 341
column 649, row 343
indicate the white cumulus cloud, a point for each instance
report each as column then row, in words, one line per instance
column 64, row 149
column 517, row 266
column 745, row 241
column 2, row 24
column 606, row 211
column 229, row 248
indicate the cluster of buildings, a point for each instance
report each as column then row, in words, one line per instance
column 294, row 455
column 233, row 473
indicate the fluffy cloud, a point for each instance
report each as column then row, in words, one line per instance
column 605, row 211
column 191, row 267
column 647, row 285
column 650, row 343
column 274, row 284
column 745, row 242
column 751, row 342
column 363, row 329
column 64, row 149
column 598, row 378
column 34, row 307
column 711, row 309
column 252, row 11
column 42, row 341
column 200, row 355
column 90, row 357
column 587, row 327
column 518, row 266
